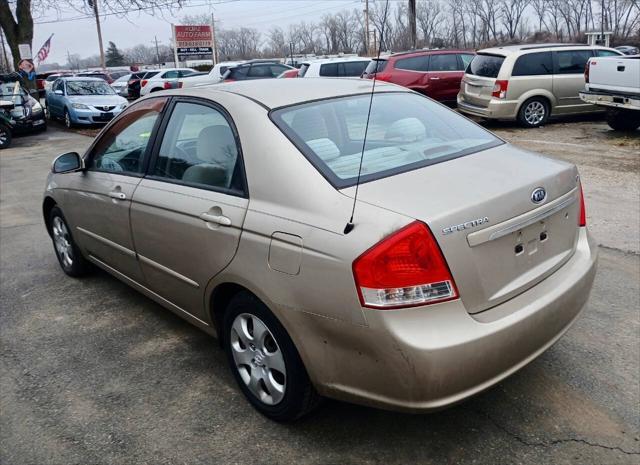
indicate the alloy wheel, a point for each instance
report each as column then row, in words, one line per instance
column 534, row 113
column 258, row 358
column 4, row 137
column 62, row 241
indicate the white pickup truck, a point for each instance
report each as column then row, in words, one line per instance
column 212, row 77
column 614, row 83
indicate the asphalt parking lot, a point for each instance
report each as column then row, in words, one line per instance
column 91, row 372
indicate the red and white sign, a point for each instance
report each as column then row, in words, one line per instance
column 193, row 36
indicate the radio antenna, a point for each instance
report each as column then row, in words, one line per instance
column 349, row 227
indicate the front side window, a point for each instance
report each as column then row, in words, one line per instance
column 354, row 68
column 89, row 88
column 406, row 131
column 199, row 148
column 572, row 61
column 376, row 66
column 123, row 147
column 533, row 64
column 420, row 63
column 606, row 53
column 444, row 62
column 485, row 65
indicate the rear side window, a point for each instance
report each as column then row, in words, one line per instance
column 150, row 74
column 572, row 61
column 533, row 64
column 413, row 63
column 354, row 68
column 406, row 131
column 329, row 70
column 260, row 71
column 376, row 66
column 485, row 65
column 444, row 62
column 237, row 73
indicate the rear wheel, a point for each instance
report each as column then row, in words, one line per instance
column 265, row 362
column 534, row 112
column 620, row 119
column 5, row 136
column 69, row 256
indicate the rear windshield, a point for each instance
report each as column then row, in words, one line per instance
column 303, row 69
column 150, row 74
column 375, row 66
column 485, row 65
column 406, row 131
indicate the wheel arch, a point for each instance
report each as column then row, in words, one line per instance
column 537, row 93
column 47, row 206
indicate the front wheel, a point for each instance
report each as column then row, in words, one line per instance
column 69, row 256
column 265, row 362
column 5, row 136
column 620, row 119
column 67, row 119
column 534, row 112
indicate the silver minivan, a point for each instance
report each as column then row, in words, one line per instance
column 527, row 82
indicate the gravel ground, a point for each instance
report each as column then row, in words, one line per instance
column 92, row 372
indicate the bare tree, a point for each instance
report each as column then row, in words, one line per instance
column 512, row 12
column 429, row 15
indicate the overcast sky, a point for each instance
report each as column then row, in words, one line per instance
column 79, row 36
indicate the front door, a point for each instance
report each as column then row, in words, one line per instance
column 445, row 73
column 187, row 214
column 99, row 199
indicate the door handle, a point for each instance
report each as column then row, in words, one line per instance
column 434, row 78
column 218, row 219
column 118, row 195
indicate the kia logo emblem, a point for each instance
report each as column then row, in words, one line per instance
column 538, row 195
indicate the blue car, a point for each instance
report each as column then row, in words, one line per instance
column 82, row 100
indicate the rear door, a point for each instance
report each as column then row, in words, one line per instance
column 187, row 213
column 568, row 79
column 531, row 71
column 99, row 199
column 411, row 72
column 445, row 73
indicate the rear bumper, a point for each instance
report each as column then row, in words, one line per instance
column 496, row 109
column 627, row 101
column 427, row 358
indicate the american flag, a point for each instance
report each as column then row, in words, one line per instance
column 43, row 53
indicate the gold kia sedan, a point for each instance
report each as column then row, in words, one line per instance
column 398, row 255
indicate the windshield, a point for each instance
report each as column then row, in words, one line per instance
column 406, row 131
column 485, row 65
column 89, row 88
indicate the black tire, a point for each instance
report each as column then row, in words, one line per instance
column 67, row 119
column 534, row 112
column 78, row 266
column 620, row 119
column 5, row 136
column 300, row 397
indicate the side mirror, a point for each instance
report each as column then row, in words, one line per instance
column 67, row 163
column 58, row 92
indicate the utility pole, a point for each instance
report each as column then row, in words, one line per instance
column 412, row 24
column 157, row 50
column 366, row 27
column 94, row 4
column 214, row 42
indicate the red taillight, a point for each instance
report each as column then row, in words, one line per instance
column 582, row 221
column 586, row 72
column 405, row 269
column 143, row 83
column 500, row 89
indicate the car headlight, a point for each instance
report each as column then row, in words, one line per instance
column 122, row 106
column 79, row 106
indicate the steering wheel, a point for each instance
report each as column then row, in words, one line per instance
column 110, row 164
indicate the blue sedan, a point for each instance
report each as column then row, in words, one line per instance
column 80, row 100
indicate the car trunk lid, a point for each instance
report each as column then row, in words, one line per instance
column 497, row 241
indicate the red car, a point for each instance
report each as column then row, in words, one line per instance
column 434, row 73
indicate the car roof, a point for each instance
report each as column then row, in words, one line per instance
column 81, row 78
column 513, row 49
column 336, row 60
column 431, row 51
column 274, row 93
